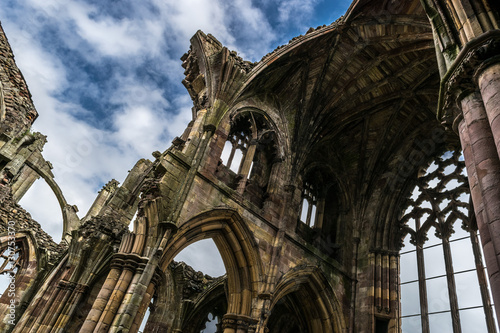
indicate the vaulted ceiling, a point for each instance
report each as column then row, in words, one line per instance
column 356, row 93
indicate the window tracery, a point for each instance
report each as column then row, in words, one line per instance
column 440, row 262
column 249, row 152
column 10, row 262
column 235, row 150
column 319, row 212
column 309, row 205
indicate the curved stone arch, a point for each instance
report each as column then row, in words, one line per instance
column 70, row 219
column 273, row 119
column 316, row 296
column 237, row 247
column 345, row 198
column 425, row 143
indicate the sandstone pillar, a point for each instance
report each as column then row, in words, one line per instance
column 489, row 84
column 477, row 136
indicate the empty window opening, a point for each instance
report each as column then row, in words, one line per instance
column 308, row 210
column 381, row 325
column 145, row 318
column 234, row 150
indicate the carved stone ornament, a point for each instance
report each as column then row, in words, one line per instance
column 462, row 76
column 233, row 321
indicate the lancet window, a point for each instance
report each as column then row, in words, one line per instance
column 10, row 260
column 250, row 153
column 235, row 150
column 442, row 277
column 309, row 204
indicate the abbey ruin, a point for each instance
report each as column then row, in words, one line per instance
column 328, row 174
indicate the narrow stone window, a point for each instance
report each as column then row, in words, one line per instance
column 235, row 150
column 146, row 317
column 309, row 205
column 248, row 156
column 441, row 262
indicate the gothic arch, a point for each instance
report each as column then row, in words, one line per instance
column 314, row 297
column 237, row 248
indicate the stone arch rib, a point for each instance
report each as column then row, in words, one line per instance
column 237, row 248
column 316, row 299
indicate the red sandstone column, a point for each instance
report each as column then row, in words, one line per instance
column 489, row 83
column 487, row 168
column 475, row 192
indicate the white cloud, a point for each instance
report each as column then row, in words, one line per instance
column 298, row 9
column 203, row 256
column 55, row 43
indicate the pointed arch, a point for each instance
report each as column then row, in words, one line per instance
column 237, row 247
column 313, row 296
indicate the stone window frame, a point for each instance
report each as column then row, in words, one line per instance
column 5, row 259
column 309, row 196
column 249, row 129
column 445, row 218
column 239, row 140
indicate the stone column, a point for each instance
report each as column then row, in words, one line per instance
column 489, row 84
column 475, row 192
column 485, row 165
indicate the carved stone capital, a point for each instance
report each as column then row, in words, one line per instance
column 234, row 321
column 128, row 261
column 461, row 78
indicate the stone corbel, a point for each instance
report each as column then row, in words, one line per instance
column 461, row 78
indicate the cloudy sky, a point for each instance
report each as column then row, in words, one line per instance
column 106, row 77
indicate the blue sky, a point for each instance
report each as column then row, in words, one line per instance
column 106, row 76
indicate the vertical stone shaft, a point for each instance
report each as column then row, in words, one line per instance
column 245, row 167
column 452, row 289
column 114, row 302
column 143, row 308
column 68, row 310
column 489, row 84
column 483, row 285
column 101, row 301
column 378, row 283
column 487, row 168
column 424, row 311
column 475, row 191
column 45, row 309
column 386, row 284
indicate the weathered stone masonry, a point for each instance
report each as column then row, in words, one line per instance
column 298, row 167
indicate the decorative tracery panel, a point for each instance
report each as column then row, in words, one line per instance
column 439, row 199
column 442, row 276
column 10, row 260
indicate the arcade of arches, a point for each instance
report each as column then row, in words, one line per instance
column 350, row 181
